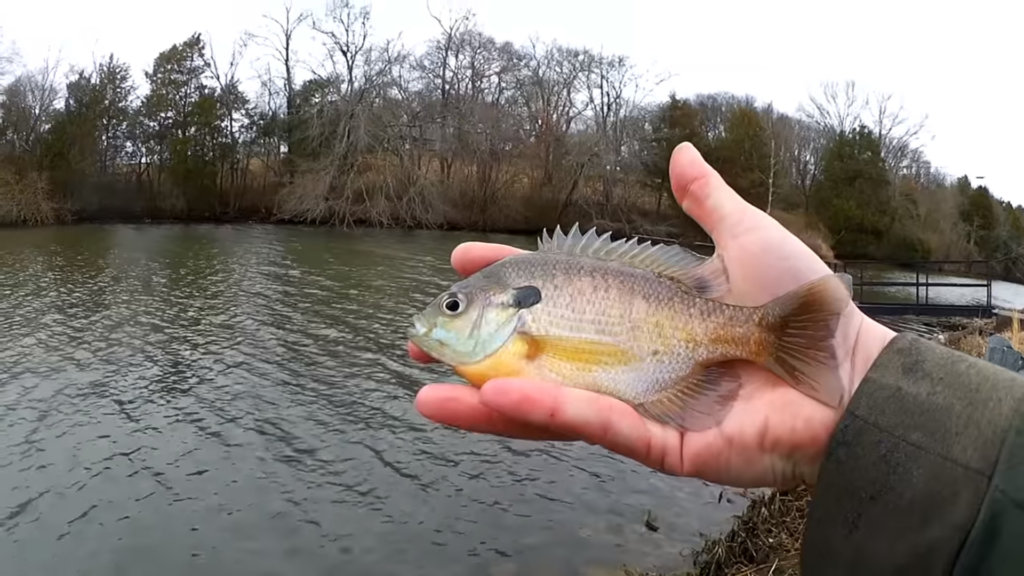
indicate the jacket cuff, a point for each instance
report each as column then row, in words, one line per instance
column 909, row 464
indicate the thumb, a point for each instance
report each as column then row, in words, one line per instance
column 703, row 194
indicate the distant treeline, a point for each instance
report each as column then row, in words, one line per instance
column 472, row 133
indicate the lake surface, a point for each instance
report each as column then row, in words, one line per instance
column 237, row 400
column 1005, row 295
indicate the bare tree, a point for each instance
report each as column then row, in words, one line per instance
column 773, row 157
column 28, row 105
column 803, row 156
column 443, row 66
column 548, row 87
column 837, row 109
column 234, row 104
column 339, row 121
column 267, row 117
column 610, row 87
column 281, row 40
column 29, row 102
column 897, row 134
column 8, row 59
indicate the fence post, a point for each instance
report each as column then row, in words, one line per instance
column 927, row 280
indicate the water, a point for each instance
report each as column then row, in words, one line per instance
column 1005, row 295
column 237, row 400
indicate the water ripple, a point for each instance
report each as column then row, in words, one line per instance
column 237, row 400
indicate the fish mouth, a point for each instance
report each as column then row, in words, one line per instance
column 419, row 335
column 418, row 328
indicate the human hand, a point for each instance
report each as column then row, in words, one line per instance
column 773, row 436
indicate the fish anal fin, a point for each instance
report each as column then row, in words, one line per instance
column 702, row 276
column 699, row 401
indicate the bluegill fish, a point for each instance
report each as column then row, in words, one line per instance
column 636, row 321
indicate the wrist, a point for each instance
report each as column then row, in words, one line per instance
column 871, row 339
column 867, row 340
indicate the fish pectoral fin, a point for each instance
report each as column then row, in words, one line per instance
column 581, row 351
column 699, row 401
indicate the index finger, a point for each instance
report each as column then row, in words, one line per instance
column 592, row 417
column 459, row 406
column 469, row 257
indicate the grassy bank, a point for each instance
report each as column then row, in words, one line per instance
column 766, row 538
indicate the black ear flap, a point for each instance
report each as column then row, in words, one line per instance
column 525, row 297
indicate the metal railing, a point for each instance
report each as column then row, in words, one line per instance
column 922, row 285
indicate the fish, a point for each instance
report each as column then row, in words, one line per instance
column 641, row 322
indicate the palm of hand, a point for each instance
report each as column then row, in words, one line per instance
column 772, row 436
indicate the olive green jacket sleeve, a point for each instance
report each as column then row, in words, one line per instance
column 925, row 472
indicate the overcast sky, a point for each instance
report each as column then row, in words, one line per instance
column 958, row 63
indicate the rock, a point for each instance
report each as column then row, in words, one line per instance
column 1001, row 353
column 650, row 522
column 999, row 341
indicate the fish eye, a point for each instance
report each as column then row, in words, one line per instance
column 452, row 304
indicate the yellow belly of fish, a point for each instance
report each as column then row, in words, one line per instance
column 510, row 361
column 518, row 358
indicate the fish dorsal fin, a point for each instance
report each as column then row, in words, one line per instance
column 705, row 277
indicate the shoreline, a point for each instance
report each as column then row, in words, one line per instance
column 603, row 226
column 766, row 537
column 699, row 243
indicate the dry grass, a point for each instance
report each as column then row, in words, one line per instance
column 972, row 340
column 764, row 540
column 505, row 195
column 1014, row 335
column 28, row 199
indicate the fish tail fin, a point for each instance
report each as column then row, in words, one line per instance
column 802, row 324
column 802, row 327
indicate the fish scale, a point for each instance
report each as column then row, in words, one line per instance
column 639, row 322
column 589, row 305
